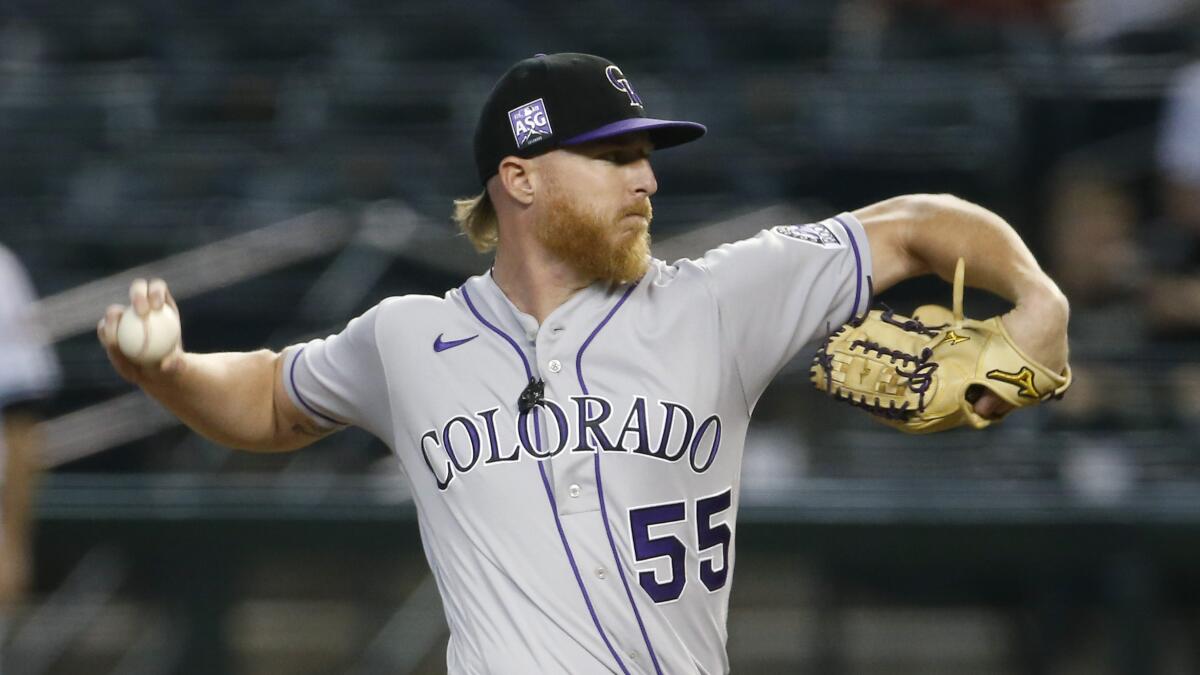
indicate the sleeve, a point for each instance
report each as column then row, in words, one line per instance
column 784, row 287
column 29, row 371
column 340, row 380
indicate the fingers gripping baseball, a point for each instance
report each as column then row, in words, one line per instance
column 143, row 339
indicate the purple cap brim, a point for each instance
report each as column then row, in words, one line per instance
column 663, row 133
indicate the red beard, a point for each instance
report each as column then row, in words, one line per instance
column 616, row 250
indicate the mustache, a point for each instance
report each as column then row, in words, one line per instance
column 642, row 209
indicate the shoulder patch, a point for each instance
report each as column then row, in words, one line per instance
column 813, row 233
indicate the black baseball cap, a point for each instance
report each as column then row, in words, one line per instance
column 559, row 100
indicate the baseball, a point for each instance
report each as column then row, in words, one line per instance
column 148, row 340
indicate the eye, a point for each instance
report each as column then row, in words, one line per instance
column 622, row 156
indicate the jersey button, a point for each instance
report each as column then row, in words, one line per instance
column 601, row 573
column 573, row 490
column 555, row 365
column 635, row 655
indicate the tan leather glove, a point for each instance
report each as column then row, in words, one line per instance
column 913, row 373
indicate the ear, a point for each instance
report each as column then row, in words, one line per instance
column 516, row 178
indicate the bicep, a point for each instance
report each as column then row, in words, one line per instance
column 888, row 226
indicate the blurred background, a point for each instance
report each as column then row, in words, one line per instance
column 287, row 164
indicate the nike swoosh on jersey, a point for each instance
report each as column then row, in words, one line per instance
column 440, row 346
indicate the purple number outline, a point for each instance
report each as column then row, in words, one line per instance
column 646, row 548
column 708, row 536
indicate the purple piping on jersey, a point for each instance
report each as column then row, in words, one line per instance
column 858, row 266
column 600, row 483
column 546, row 483
column 292, row 377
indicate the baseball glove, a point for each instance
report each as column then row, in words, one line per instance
column 914, row 373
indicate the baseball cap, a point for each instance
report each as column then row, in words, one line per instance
column 559, row 100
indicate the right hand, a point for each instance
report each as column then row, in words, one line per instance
column 143, row 296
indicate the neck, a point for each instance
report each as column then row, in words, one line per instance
column 534, row 281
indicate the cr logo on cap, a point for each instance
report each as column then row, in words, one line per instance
column 617, row 79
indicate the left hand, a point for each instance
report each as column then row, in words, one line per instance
column 1039, row 327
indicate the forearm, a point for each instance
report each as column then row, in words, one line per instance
column 928, row 234
column 920, row 234
column 226, row 397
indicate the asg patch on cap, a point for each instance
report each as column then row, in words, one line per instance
column 529, row 123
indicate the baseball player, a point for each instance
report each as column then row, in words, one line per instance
column 571, row 422
column 28, row 375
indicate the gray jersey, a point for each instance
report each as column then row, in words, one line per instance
column 595, row 532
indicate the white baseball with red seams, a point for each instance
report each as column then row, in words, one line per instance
column 150, row 339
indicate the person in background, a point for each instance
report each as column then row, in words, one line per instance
column 1174, row 292
column 28, row 375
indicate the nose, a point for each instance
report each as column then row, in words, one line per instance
column 644, row 182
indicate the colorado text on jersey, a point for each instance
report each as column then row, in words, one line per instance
column 458, row 446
